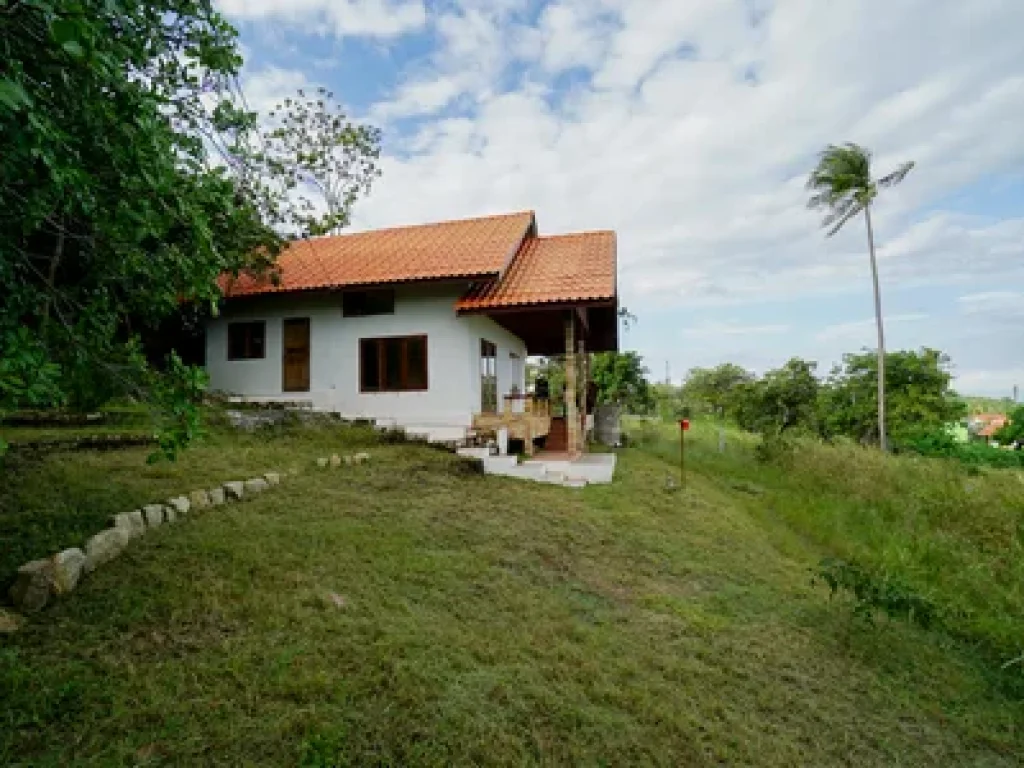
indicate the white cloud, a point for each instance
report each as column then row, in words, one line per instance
column 1009, row 304
column 864, row 330
column 266, row 88
column 375, row 18
column 715, row 330
column 690, row 129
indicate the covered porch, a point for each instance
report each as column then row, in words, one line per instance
column 559, row 296
column 557, row 423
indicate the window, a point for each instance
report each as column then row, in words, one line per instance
column 366, row 303
column 488, row 376
column 246, row 341
column 394, row 364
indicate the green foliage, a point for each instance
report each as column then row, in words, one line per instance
column 842, row 184
column 621, row 378
column 1013, row 430
column 919, row 395
column 976, row 404
column 916, row 528
column 112, row 214
column 874, row 592
column 774, row 448
column 782, row 399
column 320, row 161
column 712, row 389
column 669, row 402
column 938, row 443
column 132, row 181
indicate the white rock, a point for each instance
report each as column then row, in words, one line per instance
column 359, row 458
column 67, row 569
column 154, row 514
column 234, row 490
column 10, row 622
column 180, row 505
column 33, row 585
column 132, row 522
column 170, row 514
column 322, row 462
column 273, row 478
column 216, row 496
column 199, row 499
column 256, row 485
column 335, row 460
column 104, row 547
column 350, row 460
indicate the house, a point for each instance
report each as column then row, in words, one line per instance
column 985, row 425
column 423, row 327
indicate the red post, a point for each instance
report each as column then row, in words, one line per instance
column 684, row 425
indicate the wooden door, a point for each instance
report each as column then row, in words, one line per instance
column 295, row 363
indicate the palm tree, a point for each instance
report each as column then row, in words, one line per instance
column 843, row 186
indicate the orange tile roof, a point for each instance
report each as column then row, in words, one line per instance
column 993, row 425
column 556, row 269
column 464, row 248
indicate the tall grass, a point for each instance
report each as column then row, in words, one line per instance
column 954, row 534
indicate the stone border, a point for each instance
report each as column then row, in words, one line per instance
column 39, row 580
column 336, row 461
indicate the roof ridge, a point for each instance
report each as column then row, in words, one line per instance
column 582, row 233
column 400, row 227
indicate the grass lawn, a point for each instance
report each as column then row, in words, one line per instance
column 483, row 621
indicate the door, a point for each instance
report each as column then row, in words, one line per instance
column 488, row 377
column 295, row 363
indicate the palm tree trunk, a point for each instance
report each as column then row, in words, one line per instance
column 882, row 443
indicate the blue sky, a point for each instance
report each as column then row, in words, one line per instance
column 689, row 128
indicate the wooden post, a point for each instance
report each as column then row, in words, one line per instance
column 572, row 414
column 682, row 457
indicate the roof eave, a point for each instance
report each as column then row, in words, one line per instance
column 533, row 306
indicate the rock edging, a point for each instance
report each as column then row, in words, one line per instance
column 335, row 460
column 39, row 580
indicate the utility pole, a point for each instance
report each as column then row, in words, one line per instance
column 668, row 377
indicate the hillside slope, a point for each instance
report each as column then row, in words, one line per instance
column 404, row 612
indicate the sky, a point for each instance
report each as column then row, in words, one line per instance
column 689, row 127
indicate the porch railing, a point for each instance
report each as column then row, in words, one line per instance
column 531, row 405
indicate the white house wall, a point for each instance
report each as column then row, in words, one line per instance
column 453, row 353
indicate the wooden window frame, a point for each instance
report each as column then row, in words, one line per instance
column 248, row 355
column 351, row 306
column 380, row 342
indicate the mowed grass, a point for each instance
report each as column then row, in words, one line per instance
column 62, row 498
column 404, row 612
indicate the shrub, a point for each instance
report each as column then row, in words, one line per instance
column 775, row 448
column 940, row 444
column 874, row 592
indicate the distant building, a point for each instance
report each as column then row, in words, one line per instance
column 985, row 425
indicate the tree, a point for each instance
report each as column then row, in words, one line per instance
column 111, row 213
column 918, row 386
column 842, row 185
column 621, row 378
column 1013, row 430
column 784, row 398
column 321, row 161
column 711, row 388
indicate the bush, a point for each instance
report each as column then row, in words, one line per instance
column 875, row 592
column 775, row 448
column 940, row 444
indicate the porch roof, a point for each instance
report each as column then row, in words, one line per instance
column 576, row 269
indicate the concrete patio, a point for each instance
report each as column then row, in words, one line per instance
column 557, row 469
